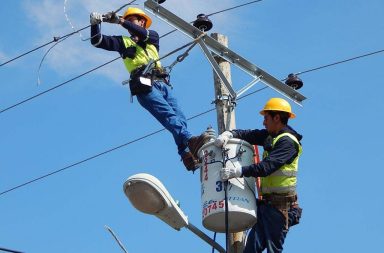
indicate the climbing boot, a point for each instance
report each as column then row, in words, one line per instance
column 190, row 162
column 196, row 142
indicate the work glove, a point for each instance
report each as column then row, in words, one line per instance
column 222, row 139
column 228, row 173
column 95, row 18
column 111, row 17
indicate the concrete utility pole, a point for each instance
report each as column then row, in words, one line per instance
column 225, row 120
column 225, row 114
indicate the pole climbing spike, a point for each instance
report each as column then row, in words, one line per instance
column 294, row 81
column 203, row 23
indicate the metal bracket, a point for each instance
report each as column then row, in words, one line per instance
column 224, row 52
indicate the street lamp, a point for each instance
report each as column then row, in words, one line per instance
column 148, row 195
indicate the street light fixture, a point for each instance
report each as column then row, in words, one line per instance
column 148, row 195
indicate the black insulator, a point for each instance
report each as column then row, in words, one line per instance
column 203, row 23
column 294, row 81
column 160, row 1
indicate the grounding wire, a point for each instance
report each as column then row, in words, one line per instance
column 106, row 151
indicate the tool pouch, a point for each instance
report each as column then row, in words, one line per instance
column 294, row 215
column 139, row 83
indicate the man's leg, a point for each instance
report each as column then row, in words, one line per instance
column 161, row 109
column 275, row 228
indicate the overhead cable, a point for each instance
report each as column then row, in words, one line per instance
column 9, row 250
column 89, row 71
column 340, row 62
column 61, row 38
column 55, row 39
column 57, row 86
column 217, row 12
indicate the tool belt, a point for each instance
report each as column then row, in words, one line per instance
column 285, row 203
column 141, row 83
column 280, row 201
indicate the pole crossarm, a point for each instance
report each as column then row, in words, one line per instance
column 224, row 52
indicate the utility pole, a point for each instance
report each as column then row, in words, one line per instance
column 225, row 112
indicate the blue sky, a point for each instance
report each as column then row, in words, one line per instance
column 340, row 176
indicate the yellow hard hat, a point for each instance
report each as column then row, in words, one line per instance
column 278, row 104
column 136, row 11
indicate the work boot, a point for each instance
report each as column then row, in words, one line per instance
column 190, row 162
column 196, row 142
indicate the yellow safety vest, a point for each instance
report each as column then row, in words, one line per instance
column 282, row 181
column 142, row 56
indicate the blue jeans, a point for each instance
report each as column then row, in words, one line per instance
column 163, row 106
column 270, row 230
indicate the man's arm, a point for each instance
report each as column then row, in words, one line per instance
column 148, row 36
column 110, row 43
column 283, row 152
column 254, row 137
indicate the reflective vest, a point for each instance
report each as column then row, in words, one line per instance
column 284, row 179
column 143, row 56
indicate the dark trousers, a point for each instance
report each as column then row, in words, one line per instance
column 270, row 230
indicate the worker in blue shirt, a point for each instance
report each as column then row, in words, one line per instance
column 277, row 207
column 151, row 88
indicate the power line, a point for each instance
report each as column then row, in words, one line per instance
column 342, row 61
column 89, row 71
column 9, row 250
column 234, row 7
column 155, row 132
column 59, row 39
column 57, row 86
column 217, row 12
column 55, row 39
column 109, row 150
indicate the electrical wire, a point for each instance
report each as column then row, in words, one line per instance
column 105, row 152
column 155, row 132
column 9, row 250
column 57, row 86
column 89, row 71
column 342, row 61
column 214, row 13
column 57, row 39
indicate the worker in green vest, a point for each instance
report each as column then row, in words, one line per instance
column 139, row 50
column 277, row 207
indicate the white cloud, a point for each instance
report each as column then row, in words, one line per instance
column 74, row 55
column 3, row 57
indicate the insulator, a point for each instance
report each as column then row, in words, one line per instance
column 203, row 23
column 160, row 1
column 294, row 81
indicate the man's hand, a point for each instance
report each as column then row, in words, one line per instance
column 228, row 173
column 95, row 18
column 222, row 139
column 111, row 17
